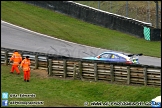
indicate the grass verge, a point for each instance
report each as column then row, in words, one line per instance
column 68, row 93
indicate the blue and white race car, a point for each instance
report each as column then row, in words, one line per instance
column 116, row 57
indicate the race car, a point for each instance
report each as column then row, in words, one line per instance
column 116, row 57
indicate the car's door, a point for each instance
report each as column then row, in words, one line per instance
column 122, row 60
column 114, row 58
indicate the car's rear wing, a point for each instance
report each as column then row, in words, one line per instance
column 131, row 55
column 134, row 57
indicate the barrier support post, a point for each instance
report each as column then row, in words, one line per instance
column 65, row 69
column 112, row 72
column 36, row 61
column 80, row 70
column 95, row 72
column 50, row 67
column 74, row 71
column 145, row 76
column 128, row 75
column 6, row 57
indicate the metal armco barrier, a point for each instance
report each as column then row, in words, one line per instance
column 94, row 70
column 75, row 68
column 38, row 60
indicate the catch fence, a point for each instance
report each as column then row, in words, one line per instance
column 140, row 10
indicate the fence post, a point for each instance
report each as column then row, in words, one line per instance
column 50, row 67
column 145, row 75
column 95, row 72
column 47, row 63
column 112, row 72
column 160, row 77
column 74, row 71
column 80, row 69
column 128, row 74
column 6, row 57
column 36, row 61
column 65, row 69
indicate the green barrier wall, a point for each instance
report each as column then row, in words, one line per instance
column 146, row 32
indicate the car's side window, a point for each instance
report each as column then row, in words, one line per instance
column 106, row 55
column 114, row 56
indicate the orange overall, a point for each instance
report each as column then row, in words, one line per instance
column 16, row 58
column 25, row 64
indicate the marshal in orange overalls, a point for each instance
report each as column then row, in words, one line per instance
column 16, row 58
column 25, row 64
